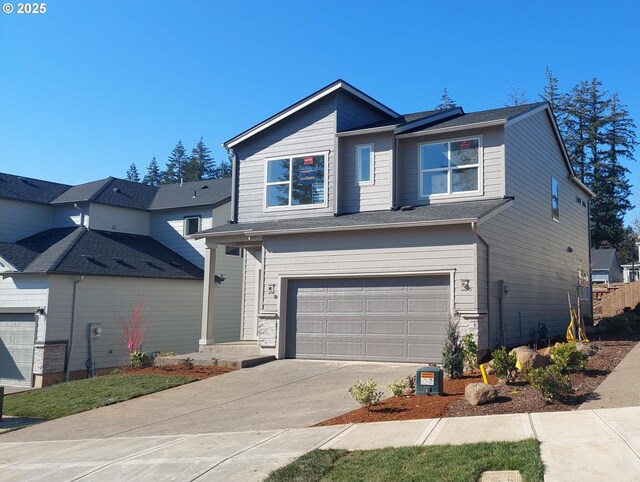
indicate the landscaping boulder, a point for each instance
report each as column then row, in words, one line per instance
column 480, row 393
column 530, row 358
column 586, row 349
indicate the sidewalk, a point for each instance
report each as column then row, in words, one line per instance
column 621, row 388
column 583, row 445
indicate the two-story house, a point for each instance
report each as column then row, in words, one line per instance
column 74, row 260
column 367, row 230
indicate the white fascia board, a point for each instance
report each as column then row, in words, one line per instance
column 432, row 118
column 371, row 130
column 297, row 107
column 444, row 130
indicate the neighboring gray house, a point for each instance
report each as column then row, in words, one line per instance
column 73, row 256
column 366, row 230
column 605, row 266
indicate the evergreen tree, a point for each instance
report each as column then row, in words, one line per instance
column 556, row 99
column 200, row 165
column 174, row 172
column 153, row 176
column 224, row 169
column 446, row 102
column 132, row 173
column 627, row 249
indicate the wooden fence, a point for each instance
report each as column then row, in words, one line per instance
column 626, row 295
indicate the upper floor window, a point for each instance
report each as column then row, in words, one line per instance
column 191, row 225
column 232, row 251
column 295, row 181
column 449, row 167
column 555, row 203
column 364, row 164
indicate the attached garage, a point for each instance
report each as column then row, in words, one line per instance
column 17, row 335
column 373, row 318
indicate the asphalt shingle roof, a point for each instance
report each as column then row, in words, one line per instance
column 100, row 253
column 30, row 190
column 602, row 258
column 197, row 193
column 432, row 214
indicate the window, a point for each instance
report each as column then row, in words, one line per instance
column 295, row 181
column 555, row 204
column 191, row 225
column 449, row 167
column 364, row 164
column 232, row 251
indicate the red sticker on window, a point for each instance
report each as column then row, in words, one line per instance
column 465, row 144
column 308, row 160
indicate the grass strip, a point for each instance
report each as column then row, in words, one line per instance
column 446, row 463
column 80, row 395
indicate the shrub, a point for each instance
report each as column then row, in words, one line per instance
column 366, row 393
column 620, row 324
column 187, row 363
column 397, row 387
column 411, row 382
column 452, row 352
column 138, row 359
column 504, row 364
column 470, row 350
column 567, row 358
column 550, row 382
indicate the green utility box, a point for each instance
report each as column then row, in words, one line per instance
column 429, row 381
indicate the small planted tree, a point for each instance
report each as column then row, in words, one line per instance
column 132, row 329
column 453, row 352
column 550, row 382
column 504, row 364
column 470, row 348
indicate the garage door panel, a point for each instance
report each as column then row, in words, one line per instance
column 396, row 318
column 385, row 327
column 385, row 350
column 347, row 349
column 386, row 305
column 344, row 306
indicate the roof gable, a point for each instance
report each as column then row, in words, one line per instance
column 334, row 86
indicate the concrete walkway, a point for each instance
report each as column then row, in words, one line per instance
column 621, row 388
column 589, row 445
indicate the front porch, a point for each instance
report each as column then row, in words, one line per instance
column 237, row 354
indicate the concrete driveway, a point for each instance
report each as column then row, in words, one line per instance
column 279, row 395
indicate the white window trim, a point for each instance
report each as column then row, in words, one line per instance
column 448, row 195
column 266, row 208
column 184, row 224
column 553, row 216
column 371, row 180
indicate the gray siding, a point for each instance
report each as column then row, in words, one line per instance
column 354, row 113
column 251, row 294
column 310, row 130
column 67, row 216
column 25, row 291
column 529, row 248
column 123, row 220
column 493, row 155
column 375, row 197
column 19, row 219
column 172, row 309
column 358, row 253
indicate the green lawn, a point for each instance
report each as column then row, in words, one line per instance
column 77, row 396
column 463, row 463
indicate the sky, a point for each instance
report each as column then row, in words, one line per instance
column 89, row 87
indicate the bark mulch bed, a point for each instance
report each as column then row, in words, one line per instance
column 519, row 397
column 197, row 371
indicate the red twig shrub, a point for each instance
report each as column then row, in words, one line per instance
column 133, row 327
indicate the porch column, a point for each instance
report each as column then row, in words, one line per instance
column 206, row 332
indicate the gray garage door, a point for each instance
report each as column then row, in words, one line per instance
column 17, row 333
column 386, row 319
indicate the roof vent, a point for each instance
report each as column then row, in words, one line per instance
column 89, row 257
column 173, row 263
column 116, row 189
column 117, row 259
column 204, row 187
column 406, row 208
column 195, row 194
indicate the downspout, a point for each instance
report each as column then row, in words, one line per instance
column 474, row 228
column 67, row 363
column 234, row 185
column 394, row 173
column 79, row 208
